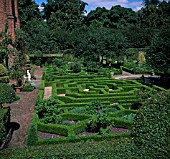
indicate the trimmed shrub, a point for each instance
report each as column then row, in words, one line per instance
column 82, row 138
column 7, row 94
column 68, row 116
column 32, row 137
column 76, row 68
column 127, row 69
column 151, row 127
column 28, row 88
column 122, row 123
column 42, row 85
column 57, row 61
column 53, row 128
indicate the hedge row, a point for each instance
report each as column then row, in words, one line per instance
column 122, row 123
column 71, row 76
column 70, row 132
column 127, row 69
column 42, row 85
column 32, row 137
column 41, row 94
column 81, row 138
column 123, row 112
column 54, row 90
column 82, row 104
column 68, row 116
column 53, row 128
column 68, row 99
column 114, row 94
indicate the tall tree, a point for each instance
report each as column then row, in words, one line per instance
column 92, row 42
column 159, row 53
column 64, row 14
column 116, row 17
column 28, row 10
column 154, row 13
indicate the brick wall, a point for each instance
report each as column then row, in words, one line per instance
column 9, row 15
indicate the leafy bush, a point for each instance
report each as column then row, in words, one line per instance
column 76, row 68
column 28, row 88
column 47, row 111
column 92, row 66
column 3, row 70
column 100, row 121
column 141, row 57
column 7, row 94
column 58, row 62
column 52, row 118
column 151, row 127
column 78, row 110
column 94, row 107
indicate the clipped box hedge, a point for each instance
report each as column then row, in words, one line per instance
column 80, row 138
column 42, row 85
column 53, row 128
column 122, row 123
column 32, row 137
column 69, row 116
column 41, row 94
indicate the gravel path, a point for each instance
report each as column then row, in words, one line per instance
column 22, row 112
column 126, row 75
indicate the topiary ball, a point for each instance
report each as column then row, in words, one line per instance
column 7, row 94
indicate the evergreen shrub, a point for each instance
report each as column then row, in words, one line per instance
column 7, row 94
column 151, row 126
column 32, row 137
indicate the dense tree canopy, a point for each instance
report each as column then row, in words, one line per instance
column 93, row 42
column 159, row 53
column 65, row 15
column 28, row 10
column 116, row 17
column 102, row 32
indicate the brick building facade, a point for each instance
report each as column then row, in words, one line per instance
column 9, row 16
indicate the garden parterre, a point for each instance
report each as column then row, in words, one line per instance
column 67, row 113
